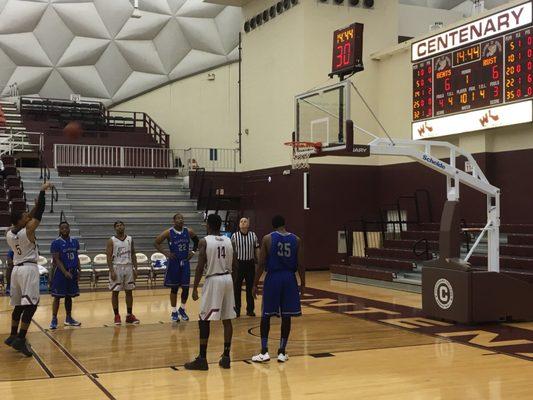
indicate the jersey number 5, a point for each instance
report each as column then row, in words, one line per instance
column 19, row 251
column 284, row 249
column 221, row 252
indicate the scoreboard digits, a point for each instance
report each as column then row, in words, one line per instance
column 423, row 90
column 519, row 65
column 493, row 70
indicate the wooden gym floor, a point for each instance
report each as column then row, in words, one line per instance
column 352, row 342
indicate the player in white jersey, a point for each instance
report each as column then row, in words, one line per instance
column 25, row 276
column 215, row 255
column 122, row 264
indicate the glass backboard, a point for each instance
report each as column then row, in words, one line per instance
column 321, row 114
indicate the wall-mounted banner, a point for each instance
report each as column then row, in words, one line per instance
column 504, row 21
column 509, row 114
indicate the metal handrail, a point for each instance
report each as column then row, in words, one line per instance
column 426, row 248
column 54, row 197
column 481, row 234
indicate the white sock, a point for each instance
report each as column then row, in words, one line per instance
column 174, row 309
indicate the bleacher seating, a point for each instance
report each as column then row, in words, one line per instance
column 101, row 127
column 59, row 112
column 12, row 196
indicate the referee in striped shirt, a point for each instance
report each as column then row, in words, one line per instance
column 247, row 247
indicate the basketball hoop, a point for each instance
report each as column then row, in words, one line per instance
column 302, row 151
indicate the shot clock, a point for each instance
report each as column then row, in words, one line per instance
column 347, row 50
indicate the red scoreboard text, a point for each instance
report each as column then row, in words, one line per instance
column 491, row 72
column 347, row 50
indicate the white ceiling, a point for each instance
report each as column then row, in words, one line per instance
column 451, row 4
column 53, row 48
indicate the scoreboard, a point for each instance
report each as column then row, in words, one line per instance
column 476, row 76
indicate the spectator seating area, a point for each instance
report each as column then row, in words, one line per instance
column 59, row 112
column 12, row 196
column 49, row 115
column 94, row 273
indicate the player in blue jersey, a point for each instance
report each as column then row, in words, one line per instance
column 281, row 257
column 66, row 274
column 178, row 271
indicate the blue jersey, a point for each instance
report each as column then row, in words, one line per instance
column 179, row 243
column 283, row 255
column 10, row 254
column 68, row 252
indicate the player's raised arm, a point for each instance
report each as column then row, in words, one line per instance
column 158, row 244
column 263, row 254
column 109, row 254
column 301, row 267
column 202, row 262
column 37, row 212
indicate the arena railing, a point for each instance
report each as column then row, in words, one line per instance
column 95, row 156
column 213, row 160
column 183, row 160
column 12, row 141
column 138, row 120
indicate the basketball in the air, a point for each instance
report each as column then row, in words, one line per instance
column 73, row 130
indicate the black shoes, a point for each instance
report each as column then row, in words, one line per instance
column 199, row 364
column 23, row 346
column 9, row 340
column 250, row 314
column 225, row 362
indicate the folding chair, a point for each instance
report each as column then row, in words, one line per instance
column 100, row 267
column 86, row 269
column 144, row 268
column 159, row 265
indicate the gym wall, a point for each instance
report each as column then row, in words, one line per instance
column 195, row 111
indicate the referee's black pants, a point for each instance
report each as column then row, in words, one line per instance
column 246, row 272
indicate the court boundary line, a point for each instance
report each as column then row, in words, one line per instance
column 76, row 362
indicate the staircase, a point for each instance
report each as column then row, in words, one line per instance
column 396, row 264
column 13, row 137
column 92, row 204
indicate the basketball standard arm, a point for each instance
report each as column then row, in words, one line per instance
column 421, row 151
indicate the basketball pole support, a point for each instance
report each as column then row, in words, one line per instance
column 424, row 152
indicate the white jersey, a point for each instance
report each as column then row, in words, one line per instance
column 219, row 253
column 122, row 251
column 25, row 251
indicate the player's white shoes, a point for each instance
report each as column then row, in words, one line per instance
column 261, row 358
column 283, row 357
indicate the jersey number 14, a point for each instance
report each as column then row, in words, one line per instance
column 221, row 252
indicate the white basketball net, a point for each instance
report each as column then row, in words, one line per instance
column 300, row 157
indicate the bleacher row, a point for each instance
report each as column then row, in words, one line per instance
column 12, row 196
column 59, row 112
column 91, row 271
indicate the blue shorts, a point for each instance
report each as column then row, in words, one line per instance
column 281, row 295
column 178, row 273
column 64, row 287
